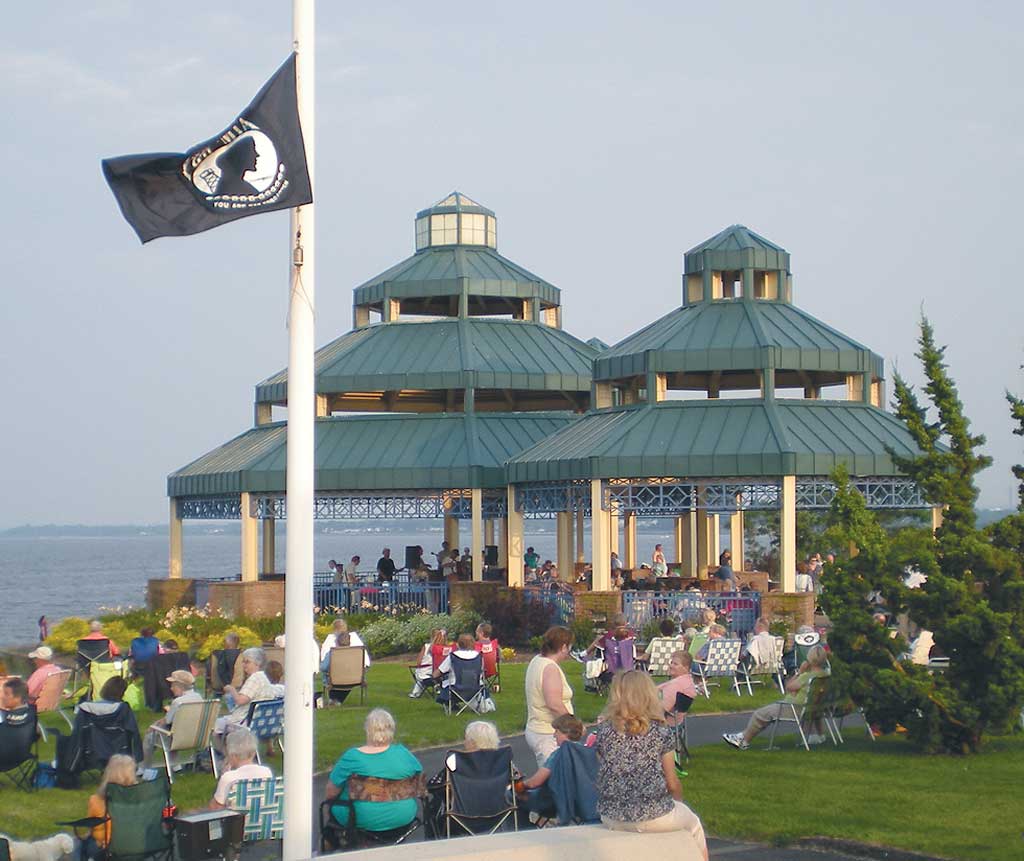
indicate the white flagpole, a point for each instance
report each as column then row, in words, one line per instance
column 299, row 645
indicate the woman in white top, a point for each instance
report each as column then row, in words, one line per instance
column 659, row 567
column 336, row 638
column 241, row 753
column 548, row 694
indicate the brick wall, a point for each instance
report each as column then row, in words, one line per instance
column 261, row 600
column 465, row 594
column 163, row 594
column 591, row 604
column 793, row 608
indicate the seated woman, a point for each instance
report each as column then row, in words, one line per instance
column 143, row 649
column 120, row 771
column 379, row 757
column 466, row 651
column 435, row 650
column 637, row 786
column 534, row 792
column 241, row 765
column 255, row 687
column 479, row 735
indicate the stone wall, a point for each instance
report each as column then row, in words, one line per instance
column 163, row 594
column 600, row 606
column 260, row 600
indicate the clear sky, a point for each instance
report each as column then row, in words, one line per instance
column 880, row 143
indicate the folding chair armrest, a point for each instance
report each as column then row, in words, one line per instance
column 87, row 822
column 166, row 731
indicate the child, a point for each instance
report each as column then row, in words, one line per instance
column 681, row 682
column 120, row 771
column 539, row 800
column 491, row 650
column 434, row 651
column 275, row 674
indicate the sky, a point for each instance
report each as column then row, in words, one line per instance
column 879, row 143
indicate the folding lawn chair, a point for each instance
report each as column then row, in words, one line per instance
column 805, row 714
column 191, row 730
column 619, row 654
column 362, row 790
column 346, row 671
column 262, row 802
column 771, row 667
column 491, row 653
column 156, row 673
column 478, row 792
column 100, row 730
column 18, row 734
column 680, row 707
column 136, row 817
column 660, row 650
column 52, row 696
column 5, row 849
column 221, row 668
column 265, row 720
column 721, row 661
column 467, row 689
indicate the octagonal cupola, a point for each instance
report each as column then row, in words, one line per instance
column 736, row 264
column 456, row 220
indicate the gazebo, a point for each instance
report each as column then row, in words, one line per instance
column 737, row 400
column 455, row 363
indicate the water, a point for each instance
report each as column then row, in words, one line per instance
column 78, row 576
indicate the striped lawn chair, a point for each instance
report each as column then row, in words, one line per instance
column 773, row 667
column 266, row 722
column 262, row 802
column 660, row 650
column 722, row 658
column 191, row 730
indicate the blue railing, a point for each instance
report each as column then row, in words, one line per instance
column 396, row 597
column 739, row 609
column 562, row 603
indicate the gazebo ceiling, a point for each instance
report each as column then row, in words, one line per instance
column 384, row 452
column 455, row 353
column 719, row 439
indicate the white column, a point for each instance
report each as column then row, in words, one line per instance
column 451, row 532
column 629, row 541
column 613, row 532
column 579, row 536
column 250, row 542
column 514, row 544
column 714, row 538
column 503, row 542
column 600, row 555
column 298, row 698
column 269, row 549
column 937, row 514
column 704, row 551
column 787, row 534
column 689, row 524
column 476, row 546
column 736, row 539
column 174, row 541
column 564, row 543
column 678, row 538
column 489, row 531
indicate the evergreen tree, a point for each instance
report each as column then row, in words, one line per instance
column 973, row 600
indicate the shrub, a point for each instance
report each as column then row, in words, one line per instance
column 583, row 632
column 246, row 636
column 64, row 636
column 516, row 619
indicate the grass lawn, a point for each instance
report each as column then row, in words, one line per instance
column 881, row 793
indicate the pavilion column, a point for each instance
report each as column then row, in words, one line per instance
column 514, row 544
column 503, row 542
column 937, row 514
column 579, row 535
column 564, row 543
column 476, row 546
column 451, row 531
column 736, row 539
column 787, row 534
column 629, row 541
column 174, row 531
column 269, row 536
column 688, row 522
column 679, row 536
column 613, row 532
column 489, row 531
column 600, row 555
column 705, row 550
column 250, row 541
column 714, row 538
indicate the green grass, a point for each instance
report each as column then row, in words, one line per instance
column 884, row 793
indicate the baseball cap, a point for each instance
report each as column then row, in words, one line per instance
column 44, row 652
column 182, row 677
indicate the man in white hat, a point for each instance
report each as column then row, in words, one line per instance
column 42, row 657
column 183, row 688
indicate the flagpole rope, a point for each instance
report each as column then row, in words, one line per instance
column 297, row 287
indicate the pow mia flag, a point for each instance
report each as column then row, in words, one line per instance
column 257, row 164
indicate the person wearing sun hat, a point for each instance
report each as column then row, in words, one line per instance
column 183, row 687
column 42, row 657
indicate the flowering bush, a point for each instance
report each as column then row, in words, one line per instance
column 507, row 653
column 64, row 636
column 388, row 636
column 247, row 638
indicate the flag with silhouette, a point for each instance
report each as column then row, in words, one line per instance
column 257, row 164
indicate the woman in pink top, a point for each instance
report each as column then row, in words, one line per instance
column 681, row 682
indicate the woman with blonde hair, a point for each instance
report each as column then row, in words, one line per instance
column 434, row 651
column 637, row 786
column 120, row 771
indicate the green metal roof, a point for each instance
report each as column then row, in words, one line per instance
column 736, row 247
column 442, row 271
column 719, row 438
column 449, row 353
column 385, row 452
column 736, row 335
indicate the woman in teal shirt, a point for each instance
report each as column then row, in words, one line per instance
column 379, row 757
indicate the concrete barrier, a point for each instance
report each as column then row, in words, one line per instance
column 548, row 844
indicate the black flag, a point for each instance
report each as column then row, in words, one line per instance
column 257, row 164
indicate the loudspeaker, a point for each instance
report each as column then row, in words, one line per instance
column 412, row 558
column 491, row 554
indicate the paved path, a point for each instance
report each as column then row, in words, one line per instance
column 702, row 730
